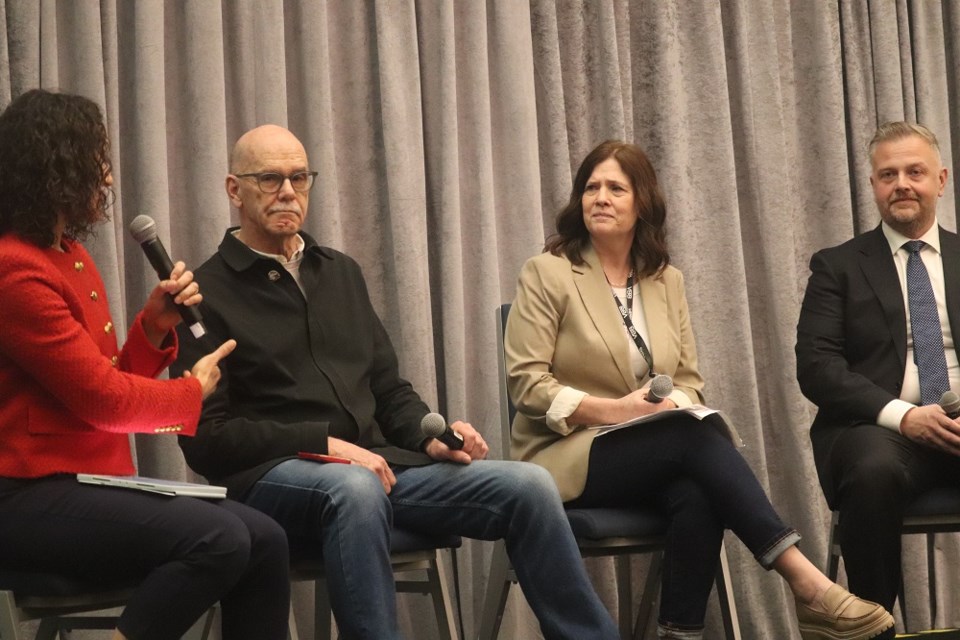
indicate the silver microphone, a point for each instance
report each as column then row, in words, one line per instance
column 951, row 404
column 660, row 387
column 434, row 425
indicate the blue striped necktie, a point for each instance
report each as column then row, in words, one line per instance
column 925, row 326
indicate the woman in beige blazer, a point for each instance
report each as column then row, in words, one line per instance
column 595, row 317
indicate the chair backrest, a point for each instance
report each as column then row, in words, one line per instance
column 507, row 410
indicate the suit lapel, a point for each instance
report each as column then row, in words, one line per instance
column 598, row 302
column 876, row 263
column 950, row 254
column 653, row 294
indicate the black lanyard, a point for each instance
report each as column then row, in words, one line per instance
column 626, row 313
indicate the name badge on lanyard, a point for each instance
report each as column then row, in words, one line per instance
column 626, row 314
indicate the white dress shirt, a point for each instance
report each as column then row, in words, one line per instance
column 892, row 414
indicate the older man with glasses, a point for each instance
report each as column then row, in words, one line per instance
column 314, row 372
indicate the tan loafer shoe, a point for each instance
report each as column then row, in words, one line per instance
column 847, row 618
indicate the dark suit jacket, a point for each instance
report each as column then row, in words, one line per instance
column 852, row 334
column 304, row 368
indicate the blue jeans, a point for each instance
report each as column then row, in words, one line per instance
column 345, row 509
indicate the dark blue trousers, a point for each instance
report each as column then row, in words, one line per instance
column 696, row 476
column 186, row 554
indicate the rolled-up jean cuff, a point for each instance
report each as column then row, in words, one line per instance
column 789, row 538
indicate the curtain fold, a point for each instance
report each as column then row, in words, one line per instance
column 445, row 135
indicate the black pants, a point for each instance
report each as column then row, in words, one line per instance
column 694, row 474
column 873, row 474
column 185, row 553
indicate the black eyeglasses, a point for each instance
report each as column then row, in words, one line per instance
column 269, row 182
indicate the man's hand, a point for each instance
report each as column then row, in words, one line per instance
column 365, row 458
column 474, row 447
column 929, row 425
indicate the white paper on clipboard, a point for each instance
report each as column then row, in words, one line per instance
column 713, row 417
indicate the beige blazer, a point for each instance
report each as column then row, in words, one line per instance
column 565, row 330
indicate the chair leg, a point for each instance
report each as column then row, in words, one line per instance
column 728, row 605
column 833, row 548
column 650, row 591
column 621, row 566
column 292, row 633
column 442, row 603
column 201, row 628
column 9, row 620
column 498, row 586
column 322, row 612
column 49, row 629
column 931, row 578
column 902, row 600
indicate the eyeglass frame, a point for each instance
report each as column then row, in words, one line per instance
column 259, row 176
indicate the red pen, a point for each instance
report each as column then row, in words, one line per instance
column 322, row 457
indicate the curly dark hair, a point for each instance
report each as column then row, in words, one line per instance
column 649, row 249
column 54, row 159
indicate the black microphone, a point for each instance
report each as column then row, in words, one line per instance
column 660, row 387
column 144, row 230
column 951, row 404
column 435, row 426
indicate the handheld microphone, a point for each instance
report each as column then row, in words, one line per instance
column 144, row 230
column 660, row 387
column 435, row 426
column 951, row 404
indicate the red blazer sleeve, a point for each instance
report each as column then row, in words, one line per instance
column 56, row 336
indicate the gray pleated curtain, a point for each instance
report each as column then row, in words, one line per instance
column 445, row 133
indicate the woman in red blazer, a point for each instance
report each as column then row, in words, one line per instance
column 69, row 398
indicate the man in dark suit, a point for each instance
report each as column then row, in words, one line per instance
column 875, row 351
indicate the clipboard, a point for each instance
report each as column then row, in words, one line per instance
column 710, row 416
column 154, row 485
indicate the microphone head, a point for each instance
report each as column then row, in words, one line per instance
column 950, row 402
column 660, row 387
column 143, row 229
column 433, row 425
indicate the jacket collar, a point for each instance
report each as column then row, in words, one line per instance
column 240, row 257
column 878, row 268
column 950, row 254
column 598, row 301
column 876, row 263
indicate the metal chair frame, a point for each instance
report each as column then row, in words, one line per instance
column 423, row 572
column 937, row 511
column 57, row 614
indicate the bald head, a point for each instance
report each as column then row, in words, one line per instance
column 271, row 214
column 251, row 146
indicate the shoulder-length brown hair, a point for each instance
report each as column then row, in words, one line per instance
column 54, row 159
column 649, row 249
